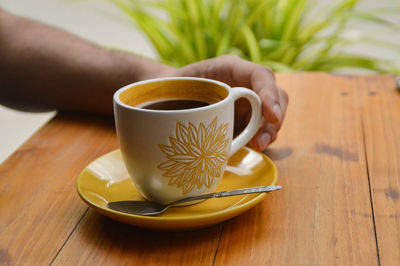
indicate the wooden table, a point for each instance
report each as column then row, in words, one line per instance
column 338, row 156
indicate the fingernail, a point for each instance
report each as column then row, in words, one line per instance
column 264, row 140
column 277, row 111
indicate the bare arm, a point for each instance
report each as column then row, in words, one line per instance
column 47, row 68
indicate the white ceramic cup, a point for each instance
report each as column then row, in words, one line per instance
column 172, row 154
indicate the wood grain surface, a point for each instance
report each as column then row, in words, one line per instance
column 39, row 204
column 323, row 214
column 338, row 156
column 381, row 119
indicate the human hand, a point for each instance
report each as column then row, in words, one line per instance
column 237, row 72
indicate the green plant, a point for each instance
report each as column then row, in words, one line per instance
column 285, row 35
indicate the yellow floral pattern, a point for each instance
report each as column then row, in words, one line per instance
column 195, row 156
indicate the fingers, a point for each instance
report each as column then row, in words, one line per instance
column 265, row 135
column 268, row 132
column 284, row 101
column 263, row 83
column 238, row 72
column 274, row 100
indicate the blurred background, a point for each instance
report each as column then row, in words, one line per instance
column 369, row 28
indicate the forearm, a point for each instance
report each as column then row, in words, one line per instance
column 45, row 67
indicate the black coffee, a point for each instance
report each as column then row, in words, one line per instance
column 176, row 104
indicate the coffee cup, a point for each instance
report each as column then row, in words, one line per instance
column 176, row 134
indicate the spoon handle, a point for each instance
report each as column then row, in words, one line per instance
column 246, row 191
column 229, row 193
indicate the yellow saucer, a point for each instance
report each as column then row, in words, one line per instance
column 106, row 179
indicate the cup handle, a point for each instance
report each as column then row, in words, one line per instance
column 255, row 120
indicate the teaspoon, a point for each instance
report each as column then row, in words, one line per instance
column 148, row 208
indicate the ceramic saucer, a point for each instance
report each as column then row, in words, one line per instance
column 106, row 179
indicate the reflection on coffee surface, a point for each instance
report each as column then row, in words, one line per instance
column 175, row 104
